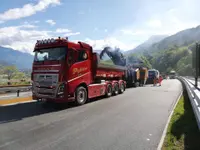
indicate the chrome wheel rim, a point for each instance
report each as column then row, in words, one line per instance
column 81, row 96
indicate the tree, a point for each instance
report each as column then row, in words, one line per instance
column 10, row 71
column 146, row 62
column 19, row 75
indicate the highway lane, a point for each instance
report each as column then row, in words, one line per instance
column 133, row 120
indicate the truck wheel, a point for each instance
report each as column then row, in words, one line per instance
column 80, row 95
column 122, row 88
column 136, row 84
column 109, row 90
column 116, row 89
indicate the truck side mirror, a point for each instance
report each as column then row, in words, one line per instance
column 70, row 58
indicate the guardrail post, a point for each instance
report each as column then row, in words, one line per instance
column 196, row 82
column 18, row 93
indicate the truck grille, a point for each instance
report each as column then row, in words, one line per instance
column 43, row 82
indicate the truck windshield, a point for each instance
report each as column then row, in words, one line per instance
column 57, row 53
column 151, row 73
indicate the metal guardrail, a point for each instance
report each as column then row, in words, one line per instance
column 194, row 96
column 15, row 89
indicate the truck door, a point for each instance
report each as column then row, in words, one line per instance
column 79, row 71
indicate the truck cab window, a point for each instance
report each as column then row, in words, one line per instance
column 82, row 55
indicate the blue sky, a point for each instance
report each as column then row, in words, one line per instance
column 118, row 23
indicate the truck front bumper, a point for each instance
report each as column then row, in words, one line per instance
column 63, row 99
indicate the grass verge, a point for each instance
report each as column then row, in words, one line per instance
column 182, row 132
column 15, row 100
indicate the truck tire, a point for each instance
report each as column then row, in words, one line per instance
column 109, row 90
column 116, row 89
column 81, row 95
column 122, row 88
column 136, row 84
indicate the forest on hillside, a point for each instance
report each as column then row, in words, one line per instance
column 174, row 58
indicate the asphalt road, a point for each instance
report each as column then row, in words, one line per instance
column 133, row 120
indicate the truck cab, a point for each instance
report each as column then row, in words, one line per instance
column 59, row 65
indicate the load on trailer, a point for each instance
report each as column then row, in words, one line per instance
column 135, row 75
column 65, row 71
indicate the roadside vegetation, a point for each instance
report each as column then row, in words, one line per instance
column 173, row 58
column 182, row 132
column 10, row 75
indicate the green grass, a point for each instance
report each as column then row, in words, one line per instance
column 182, row 132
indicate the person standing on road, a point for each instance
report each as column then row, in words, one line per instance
column 154, row 80
column 160, row 80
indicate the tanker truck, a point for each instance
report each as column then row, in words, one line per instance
column 65, row 71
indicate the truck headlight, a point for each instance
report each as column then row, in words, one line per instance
column 61, row 89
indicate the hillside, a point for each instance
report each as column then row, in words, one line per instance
column 144, row 46
column 12, row 57
column 182, row 38
column 172, row 53
column 161, row 43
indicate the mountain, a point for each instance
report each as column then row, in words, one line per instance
column 144, row 46
column 9, row 56
column 182, row 38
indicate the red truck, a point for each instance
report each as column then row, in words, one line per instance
column 65, row 71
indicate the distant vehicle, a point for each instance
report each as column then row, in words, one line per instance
column 152, row 73
column 172, row 74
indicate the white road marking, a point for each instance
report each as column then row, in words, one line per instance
column 197, row 93
column 195, row 102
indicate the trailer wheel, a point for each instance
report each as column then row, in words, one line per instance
column 122, row 88
column 136, row 84
column 116, row 89
column 109, row 90
column 80, row 95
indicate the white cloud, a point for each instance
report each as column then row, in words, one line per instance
column 155, row 23
column 105, row 30
column 133, row 32
column 24, row 37
column 109, row 41
column 61, row 30
column 51, row 22
column 27, row 10
column 71, row 34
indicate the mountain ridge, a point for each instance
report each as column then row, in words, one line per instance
column 181, row 38
column 21, row 60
